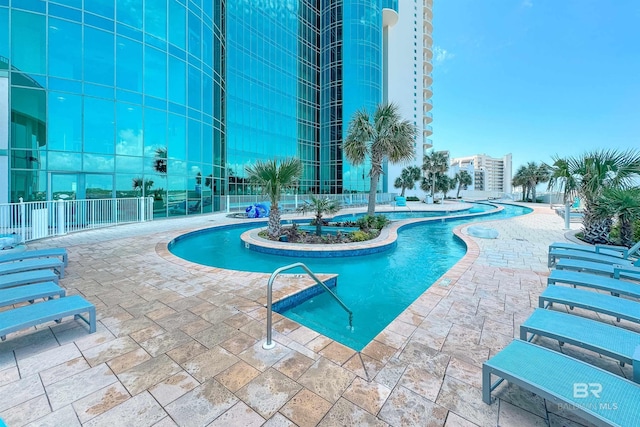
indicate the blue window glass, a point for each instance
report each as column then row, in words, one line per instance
column 32, row 5
column 195, row 88
column 155, row 131
column 128, row 64
column 207, row 8
column 98, row 56
column 128, row 129
column 28, row 42
column 72, row 3
column 123, row 95
column 207, row 46
column 177, row 24
column 155, row 18
column 195, row 35
column 128, row 164
column 64, row 127
column 98, row 91
column 100, row 7
column 194, row 143
column 207, row 144
column 177, row 80
column 155, row 72
column 207, row 95
column 64, row 161
column 65, row 12
column 65, row 49
column 65, row 85
column 97, row 163
column 98, row 126
column 129, row 32
column 4, row 39
column 129, row 12
column 98, row 21
column 177, row 137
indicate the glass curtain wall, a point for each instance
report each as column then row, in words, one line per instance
column 119, row 98
column 272, row 87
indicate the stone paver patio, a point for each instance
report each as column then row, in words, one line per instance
column 181, row 344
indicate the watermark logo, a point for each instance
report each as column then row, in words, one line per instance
column 583, row 390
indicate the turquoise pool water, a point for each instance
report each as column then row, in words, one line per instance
column 394, row 216
column 375, row 287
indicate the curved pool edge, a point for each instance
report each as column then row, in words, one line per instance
column 386, row 240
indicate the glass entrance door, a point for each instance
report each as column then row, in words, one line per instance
column 65, row 186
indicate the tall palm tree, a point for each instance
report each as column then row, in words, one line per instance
column 385, row 135
column 589, row 175
column 320, row 206
column 407, row 179
column 160, row 161
column 536, row 174
column 273, row 177
column 520, row 180
column 434, row 164
column 463, row 180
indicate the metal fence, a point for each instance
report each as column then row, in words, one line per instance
column 37, row 220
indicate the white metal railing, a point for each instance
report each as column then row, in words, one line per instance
column 292, row 202
column 36, row 220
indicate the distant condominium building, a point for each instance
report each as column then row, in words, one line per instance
column 488, row 173
column 409, row 69
column 174, row 99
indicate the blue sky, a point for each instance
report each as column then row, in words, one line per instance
column 535, row 78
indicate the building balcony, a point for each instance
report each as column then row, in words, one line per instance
column 427, row 25
column 427, row 144
column 427, row 67
column 427, row 40
column 427, row 118
column 427, row 13
column 427, row 53
column 427, row 80
column 427, row 105
column 428, row 130
column 427, row 92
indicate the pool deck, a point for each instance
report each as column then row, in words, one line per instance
column 181, row 344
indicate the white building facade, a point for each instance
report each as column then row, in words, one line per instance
column 488, row 173
column 410, row 57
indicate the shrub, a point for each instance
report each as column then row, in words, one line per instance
column 369, row 222
column 359, row 236
column 412, row 199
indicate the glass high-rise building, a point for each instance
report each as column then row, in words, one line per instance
column 174, row 98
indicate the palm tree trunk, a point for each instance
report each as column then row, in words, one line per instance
column 433, row 185
column 402, row 192
column 273, row 228
column 318, row 225
column 596, row 229
column 626, row 232
column 373, row 183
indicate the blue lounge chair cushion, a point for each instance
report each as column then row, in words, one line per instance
column 33, row 264
column 620, row 308
column 615, row 286
column 29, row 293
column 553, row 376
column 39, row 253
column 614, row 342
column 611, row 270
column 26, row 277
column 612, row 250
column 556, row 254
column 55, row 309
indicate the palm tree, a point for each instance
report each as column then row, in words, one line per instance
column 273, row 178
column 160, row 161
column 320, row 206
column 623, row 204
column 434, row 164
column 520, row 180
column 407, row 179
column 384, row 136
column 463, row 179
column 536, row 174
column 589, row 175
column 444, row 183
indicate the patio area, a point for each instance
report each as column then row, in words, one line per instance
column 181, row 344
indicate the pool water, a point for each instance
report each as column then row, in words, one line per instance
column 377, row 287
column 400, row 215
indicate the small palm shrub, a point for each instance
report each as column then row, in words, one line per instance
column 372, row 222
column 360, row 236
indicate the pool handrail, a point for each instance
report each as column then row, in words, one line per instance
column 269, row 344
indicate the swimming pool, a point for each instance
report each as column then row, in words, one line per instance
column 375, row 287
column 400, row 215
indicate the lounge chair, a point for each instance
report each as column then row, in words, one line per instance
column 556, row 254
column 610, row 400
column 619, row 308
column 55, row 309
column 612, row 270
column 617, row 287
column 39, row 253
column 33, row 264
column 27, row 277
column 618, row 343
column 612, row 250
column 30, row 293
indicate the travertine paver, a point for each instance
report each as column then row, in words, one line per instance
column 181, row 344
